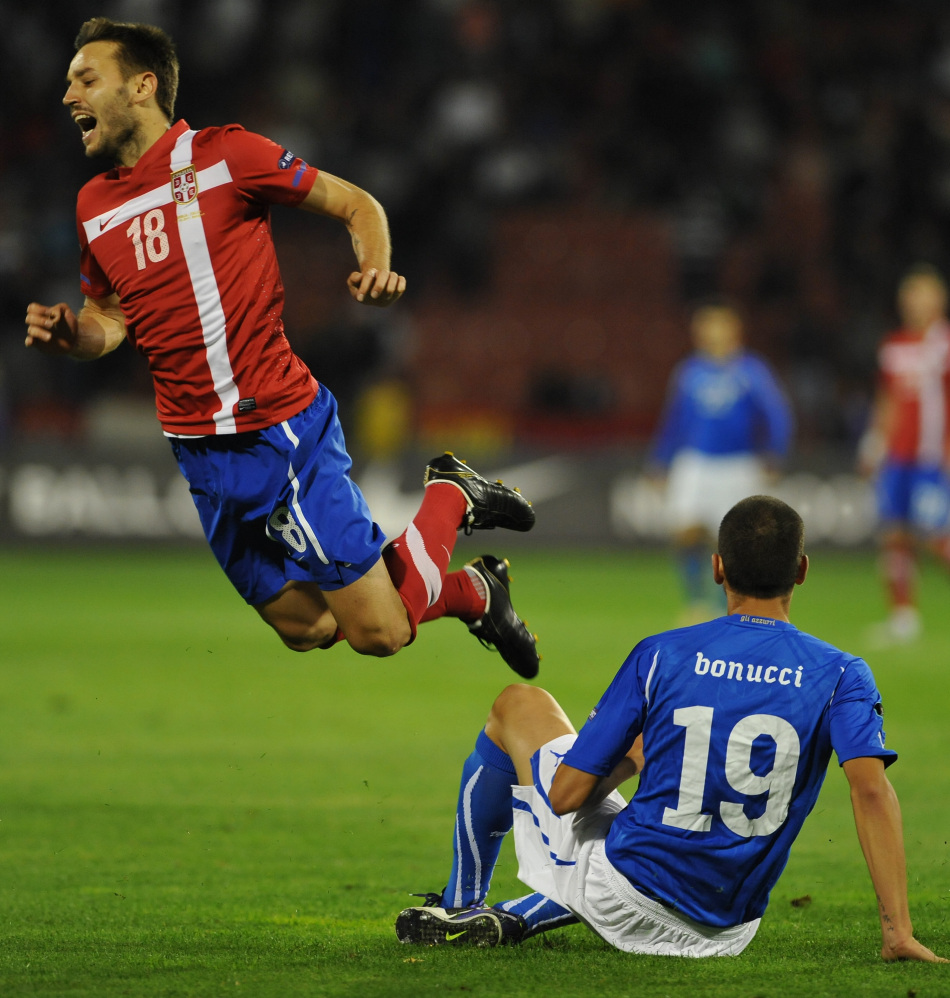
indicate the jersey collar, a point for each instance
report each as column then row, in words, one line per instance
column 156, row 151
column 752, row 620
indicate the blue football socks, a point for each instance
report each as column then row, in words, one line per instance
column 539, row 912
column 483, row 818
column 693, row 563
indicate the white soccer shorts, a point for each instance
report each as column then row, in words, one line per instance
column 702, row 488
column 564, row 859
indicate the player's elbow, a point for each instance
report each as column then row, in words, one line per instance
column 873, row 796
column 870, row 787
column 566, row 798
column 566, row 803
column 560, row 804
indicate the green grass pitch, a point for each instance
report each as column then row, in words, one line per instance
column 187, row 809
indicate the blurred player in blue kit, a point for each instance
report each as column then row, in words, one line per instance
column 725, row 430
column 731, row 725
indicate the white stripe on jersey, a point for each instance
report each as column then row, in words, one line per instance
column 198, row 260
column 920, row 368
column 933, row 405
column 205, row 286
column 646, row 691
column 213, row 176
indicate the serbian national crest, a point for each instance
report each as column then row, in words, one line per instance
column 185, row 185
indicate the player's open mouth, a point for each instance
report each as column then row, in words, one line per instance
column 87, row 123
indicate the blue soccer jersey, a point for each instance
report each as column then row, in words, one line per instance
column 739, row 717
column 731, row 406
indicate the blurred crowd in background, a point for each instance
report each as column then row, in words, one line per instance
column 797, row 152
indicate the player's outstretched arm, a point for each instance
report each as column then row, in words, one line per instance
column 55, row 329
column 374, row 283
column 877, row 817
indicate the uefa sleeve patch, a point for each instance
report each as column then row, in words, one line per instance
column 286, row 160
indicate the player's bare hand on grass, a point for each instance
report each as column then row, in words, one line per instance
column 911, row 949
column 377, row 287
column 51, row 329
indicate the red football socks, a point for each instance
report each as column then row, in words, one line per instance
column 419, row 557
column 463, row 596
column 900, row 572
column 941, row 548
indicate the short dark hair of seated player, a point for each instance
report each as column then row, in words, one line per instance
column 761, row 543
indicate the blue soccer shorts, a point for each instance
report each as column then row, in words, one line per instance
column 918, row 495
column 279, row 504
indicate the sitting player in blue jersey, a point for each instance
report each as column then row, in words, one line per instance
column 726, row 428
column 730, row 724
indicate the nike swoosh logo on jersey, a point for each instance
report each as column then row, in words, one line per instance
column 213, row 176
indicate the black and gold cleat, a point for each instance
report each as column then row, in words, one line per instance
column 490, row 504
column 499, row 627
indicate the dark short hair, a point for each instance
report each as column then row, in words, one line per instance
column 761, row 543
column 140, row 48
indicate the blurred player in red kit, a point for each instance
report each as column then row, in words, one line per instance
column 907, row 445
column 177, row 257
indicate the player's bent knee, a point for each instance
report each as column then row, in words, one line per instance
column 373, row 646
column 379, row 642
column 302, row 643
column 306, row 637
column 297, row 645
column 517, row 698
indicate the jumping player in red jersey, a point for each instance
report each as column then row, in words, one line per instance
column 907, row 445
column 177, row 257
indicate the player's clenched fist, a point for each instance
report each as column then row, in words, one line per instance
column 376, row 287
column 52, row 329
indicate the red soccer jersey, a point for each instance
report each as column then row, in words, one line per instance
column 915, row 373
column 184, row 239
